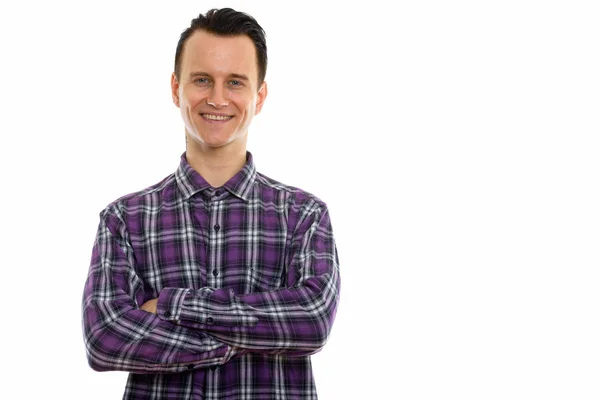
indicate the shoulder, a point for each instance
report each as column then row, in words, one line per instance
column 296, row 199
column 152, row 197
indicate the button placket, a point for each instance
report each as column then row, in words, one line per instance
column 216, row 244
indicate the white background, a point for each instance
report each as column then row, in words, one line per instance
column 456, row 143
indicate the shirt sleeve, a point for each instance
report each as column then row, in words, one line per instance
column 117, row 334
column 295, row 320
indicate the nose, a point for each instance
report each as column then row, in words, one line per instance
column 217, row 98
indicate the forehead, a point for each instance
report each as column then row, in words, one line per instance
column 219, row 54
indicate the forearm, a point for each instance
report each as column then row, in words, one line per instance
column 245, row 322
column 295, row 321
column 140, row 342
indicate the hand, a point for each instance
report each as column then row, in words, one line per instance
column 150, row 306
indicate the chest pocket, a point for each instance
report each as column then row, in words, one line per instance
column 264, row 278
column 266, row 267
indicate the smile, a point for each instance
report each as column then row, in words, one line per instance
column 214, row 117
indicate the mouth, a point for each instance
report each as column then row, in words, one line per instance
column 216, row 117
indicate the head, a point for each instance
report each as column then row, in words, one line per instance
column 219, row 77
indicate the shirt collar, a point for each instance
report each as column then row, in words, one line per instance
column 191, row 182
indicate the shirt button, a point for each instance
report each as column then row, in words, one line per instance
column 218, row 193
column 215, row 272
column 210, row 320
column 212, row 368
column 167, row 314
column 217, row 227
column 190, row 367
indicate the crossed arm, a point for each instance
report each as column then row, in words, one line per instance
column 185, row 329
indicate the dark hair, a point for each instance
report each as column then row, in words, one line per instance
column 227, row 22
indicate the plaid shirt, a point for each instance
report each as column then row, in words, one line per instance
column 247, row 281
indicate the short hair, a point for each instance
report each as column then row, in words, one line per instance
column 227, row 22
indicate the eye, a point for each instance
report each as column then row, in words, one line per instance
column 202, row 81
column 235, row 82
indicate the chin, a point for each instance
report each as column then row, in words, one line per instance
column 216, row 143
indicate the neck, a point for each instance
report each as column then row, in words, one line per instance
column 216, row 164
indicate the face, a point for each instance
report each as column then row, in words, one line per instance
column 218, row 92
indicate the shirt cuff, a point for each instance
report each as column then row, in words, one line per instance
column 170, row 301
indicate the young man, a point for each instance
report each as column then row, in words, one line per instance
column 217, row 282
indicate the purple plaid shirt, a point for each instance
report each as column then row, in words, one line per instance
column 247, row 281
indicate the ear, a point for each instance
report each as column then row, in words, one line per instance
column 262, row 95
column 175, row 89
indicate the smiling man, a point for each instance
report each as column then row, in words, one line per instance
column 217, row 282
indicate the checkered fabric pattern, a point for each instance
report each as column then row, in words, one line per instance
column 247, row 281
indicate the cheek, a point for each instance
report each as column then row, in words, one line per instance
column 192, row 98
column 249, row 106
column 242, row 99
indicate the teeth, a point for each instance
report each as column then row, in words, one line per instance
column 216, row 117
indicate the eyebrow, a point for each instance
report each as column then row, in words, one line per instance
column 204, row 74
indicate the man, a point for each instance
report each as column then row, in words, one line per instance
column 217, row 282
